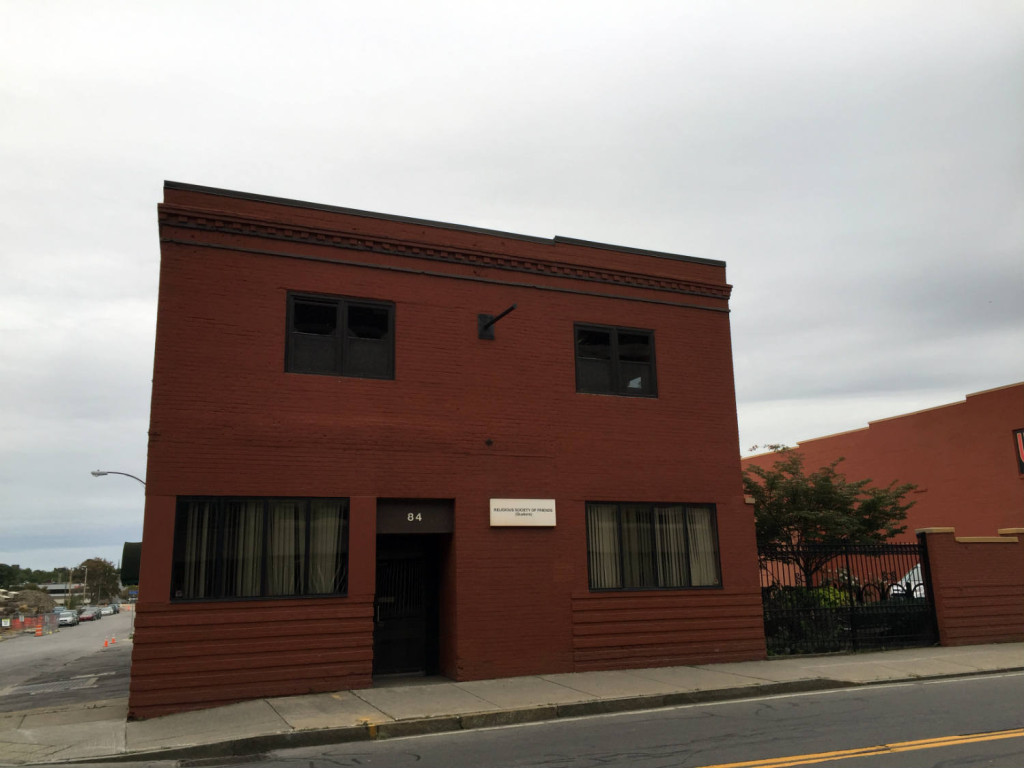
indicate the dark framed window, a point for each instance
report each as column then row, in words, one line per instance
column 227, row 548
column 340, row 337
column 652, row 546
column 615, row 361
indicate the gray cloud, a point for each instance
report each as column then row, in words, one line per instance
column 859, row 167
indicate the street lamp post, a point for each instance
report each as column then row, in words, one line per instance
column 102, row 472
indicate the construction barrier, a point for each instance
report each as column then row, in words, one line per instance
column 44, row 624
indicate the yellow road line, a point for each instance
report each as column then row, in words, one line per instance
column 882, row 749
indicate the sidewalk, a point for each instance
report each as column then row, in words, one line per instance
column 100, row 732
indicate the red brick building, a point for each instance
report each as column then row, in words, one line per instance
column 359, row 466
column 966, row 458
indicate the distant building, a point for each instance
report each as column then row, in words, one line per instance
column 62, row 590
column 967, row 459
column 382, row 445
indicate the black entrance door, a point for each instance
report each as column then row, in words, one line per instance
column 405, row 623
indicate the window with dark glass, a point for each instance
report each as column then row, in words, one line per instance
column 228, row 548
column 615, row 361
column 340, row 337
column 651, row 546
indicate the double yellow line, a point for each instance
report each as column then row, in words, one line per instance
column 882, row 749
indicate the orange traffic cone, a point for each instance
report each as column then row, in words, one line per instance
column 105, row 642
column 113, row 640
column 39, row 630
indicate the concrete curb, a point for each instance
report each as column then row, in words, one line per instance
column 255, row 745
column 198, row 754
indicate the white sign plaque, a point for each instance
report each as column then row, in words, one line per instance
column 523, row 512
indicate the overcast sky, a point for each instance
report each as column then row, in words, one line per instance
column 858, row 165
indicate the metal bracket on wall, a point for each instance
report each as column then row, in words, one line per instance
column 485, row 323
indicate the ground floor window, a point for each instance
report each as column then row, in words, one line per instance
column 651, row 546
column 259, row 547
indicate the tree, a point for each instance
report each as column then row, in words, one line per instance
column 14, row 576
column 793, row 509
column 8, row 575
column 102, row 579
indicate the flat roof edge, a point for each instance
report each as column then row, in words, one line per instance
column 641, row 251
column 258, row 198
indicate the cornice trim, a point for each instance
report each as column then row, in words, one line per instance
column 184, row 218
column 441, row 275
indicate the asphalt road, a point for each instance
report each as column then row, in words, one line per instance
column 71, row 666
column 876, row 722
column 953, row 723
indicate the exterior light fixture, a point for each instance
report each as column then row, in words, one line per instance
column 102, row 472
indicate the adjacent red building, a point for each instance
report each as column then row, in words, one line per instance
column 381, row 445
column 966, row 458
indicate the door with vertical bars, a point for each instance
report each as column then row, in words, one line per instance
column 400, row 613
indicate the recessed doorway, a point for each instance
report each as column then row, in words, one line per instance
column 412, row 541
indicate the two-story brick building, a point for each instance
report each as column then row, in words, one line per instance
column 360, row 465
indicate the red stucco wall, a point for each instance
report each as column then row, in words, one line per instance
column 961, row 456
column 464, row 419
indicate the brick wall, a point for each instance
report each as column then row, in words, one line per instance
column 978, row 586
column 962, row 457
column 463, row 419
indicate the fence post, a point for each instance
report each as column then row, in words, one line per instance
column 926, row 577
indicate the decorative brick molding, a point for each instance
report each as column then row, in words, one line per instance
column 183, row 218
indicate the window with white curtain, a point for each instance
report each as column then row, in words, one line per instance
column 257, row 547
column 651, row 546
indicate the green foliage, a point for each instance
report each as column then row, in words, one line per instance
column 802, row 620
column 794, row 509
column 102, row 580
column 830, row 597
column 804, row 599
column 14, row 576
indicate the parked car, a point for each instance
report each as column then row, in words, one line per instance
column 107, row 610
column 911, row 585
column 67, row 619
column 89, row 613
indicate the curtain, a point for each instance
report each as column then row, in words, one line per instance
column 603, row 546
column 327, row 561
column 670, row 535
column 639, row 568
column 649, row 546
column 199, row 556
column 253, row 547
column 286, row 545
column 243, row 548
column 703, row 549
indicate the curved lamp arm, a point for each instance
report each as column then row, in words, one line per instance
column 102, row 472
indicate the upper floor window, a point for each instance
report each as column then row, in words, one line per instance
column 615, row 361
column 340, row 337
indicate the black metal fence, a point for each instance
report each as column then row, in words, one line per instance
column 822, row 599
